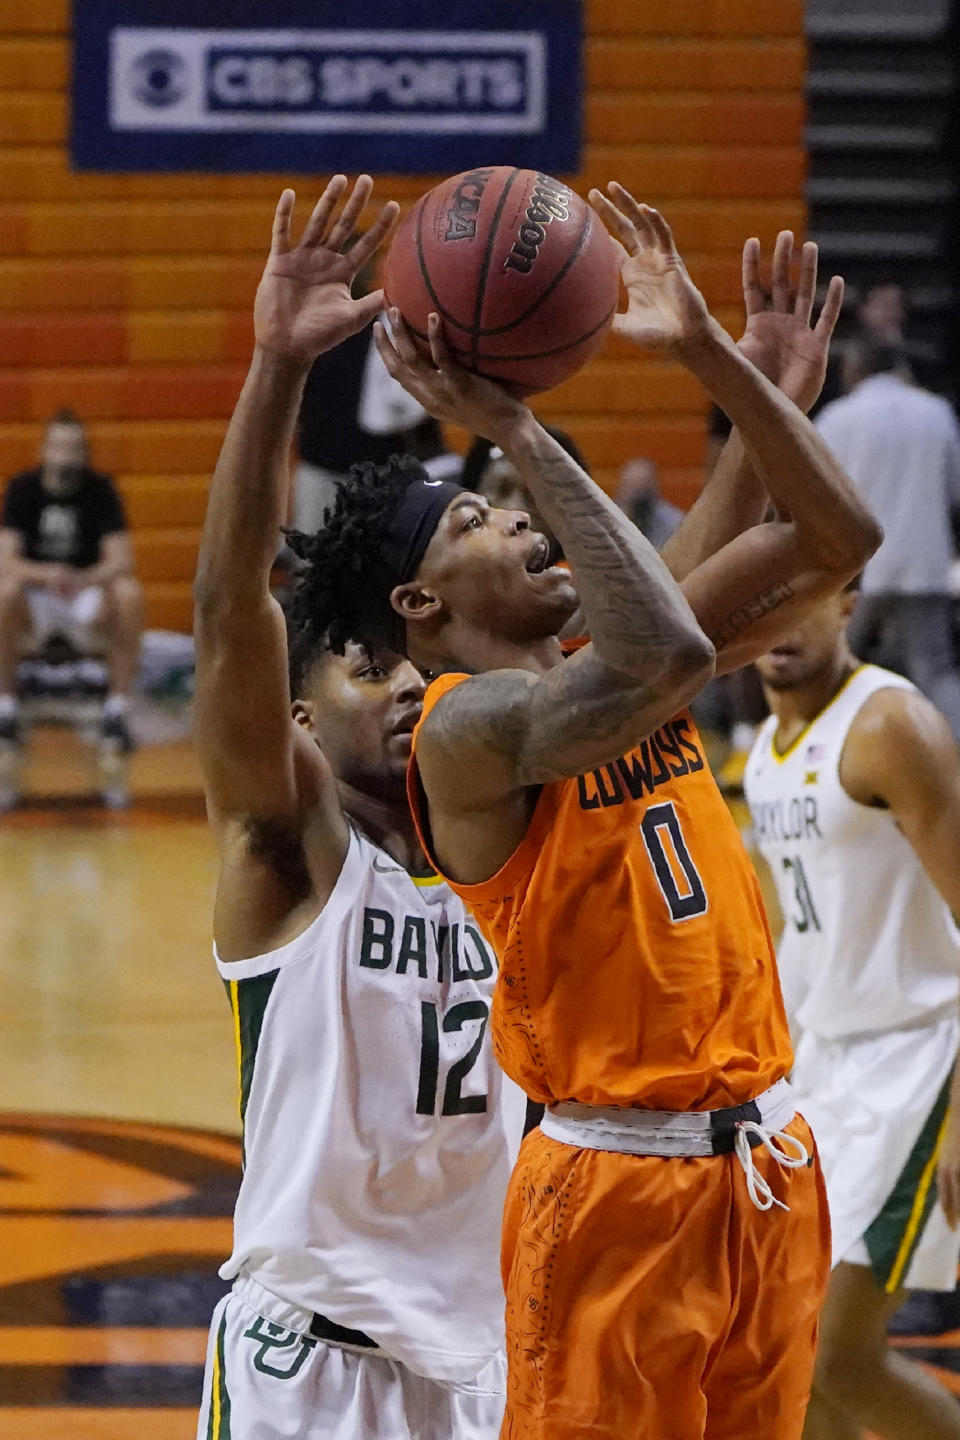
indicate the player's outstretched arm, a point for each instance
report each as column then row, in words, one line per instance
column 785, row 344
column 647, row 655
column 763, row 583
column 900, row 754
column 244, row 732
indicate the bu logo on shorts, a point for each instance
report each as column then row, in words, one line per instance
column 275, row 1337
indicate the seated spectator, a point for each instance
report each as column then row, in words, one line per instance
column 638, row 496
column 488, row 472
column 66, row 568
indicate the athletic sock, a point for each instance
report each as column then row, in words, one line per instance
column 9, row 707
column 114, row 705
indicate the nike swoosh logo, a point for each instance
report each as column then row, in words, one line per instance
column 433, row 484
column 387, row 869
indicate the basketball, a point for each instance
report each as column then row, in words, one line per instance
column 522, row 273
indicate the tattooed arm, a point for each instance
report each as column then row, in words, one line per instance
column 759, row 586
column 781, row 339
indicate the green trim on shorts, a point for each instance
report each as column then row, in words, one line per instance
column 893, row 1237
column 218, row 1420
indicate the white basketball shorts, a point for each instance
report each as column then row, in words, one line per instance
column 264, row 1382
column 877, row 1105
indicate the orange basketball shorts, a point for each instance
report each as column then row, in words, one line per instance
column 649, row 1299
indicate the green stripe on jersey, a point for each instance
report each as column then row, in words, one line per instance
column 248, row 1000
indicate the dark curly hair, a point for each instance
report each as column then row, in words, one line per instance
column 341, row 590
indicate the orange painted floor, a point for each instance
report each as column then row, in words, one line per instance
column 112, row 1235
column 119, row 1152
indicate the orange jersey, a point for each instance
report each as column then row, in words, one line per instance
column 636, row 964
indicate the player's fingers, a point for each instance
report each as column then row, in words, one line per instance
column 663, row 233
column 806, row 282
column 832, row 306
column 402, row 338
column 616, row 222
column 316, row 227
column 367, row 308
column 754, row 297
column 639, row 215
column 438, row 346
column 280, row 238
column 387, row 349
column 780, row 271
column 350, row 214
column 372, row 239
column 628, row 203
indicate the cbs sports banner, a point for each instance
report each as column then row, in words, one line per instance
column 296, row 85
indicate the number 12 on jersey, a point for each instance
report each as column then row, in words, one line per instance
column 458, row 1016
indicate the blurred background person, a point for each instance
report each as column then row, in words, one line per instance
column 638, row 495
column 66, row 569
column 901, row 446
column 883, row 314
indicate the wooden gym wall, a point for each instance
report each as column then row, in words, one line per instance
column 127, row 297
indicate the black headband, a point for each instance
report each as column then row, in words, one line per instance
column 413, row 525
column 410, row 531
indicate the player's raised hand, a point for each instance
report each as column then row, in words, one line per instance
column 665, row 310
column 779, row 337
column 443, row 387
column 303, row 305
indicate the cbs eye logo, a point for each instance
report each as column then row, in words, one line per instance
column 159, row 78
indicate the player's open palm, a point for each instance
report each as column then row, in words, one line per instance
column 304, row 305
column 664, row 307
column 779, row 337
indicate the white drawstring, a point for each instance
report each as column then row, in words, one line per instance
column 758, row 1187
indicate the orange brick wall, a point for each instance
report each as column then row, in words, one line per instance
column 128, row 297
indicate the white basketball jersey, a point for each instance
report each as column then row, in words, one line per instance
column 378, row 1131
column 867, row 943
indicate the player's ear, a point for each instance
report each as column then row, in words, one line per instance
column 302, row 711
column 848, row 603
column 415, row 603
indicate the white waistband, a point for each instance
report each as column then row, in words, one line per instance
column 655, row 1132
column 283, row 1312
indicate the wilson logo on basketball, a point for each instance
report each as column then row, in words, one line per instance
column 462, row 215
column 549, row 201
